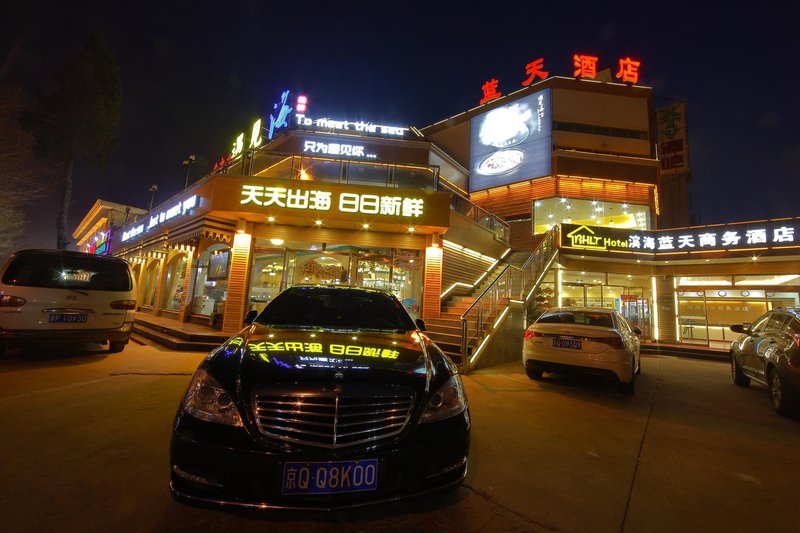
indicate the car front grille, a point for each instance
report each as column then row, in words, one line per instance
column 333, row 417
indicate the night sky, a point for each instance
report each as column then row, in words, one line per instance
column 194, row 74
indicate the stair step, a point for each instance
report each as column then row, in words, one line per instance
column 165, row 337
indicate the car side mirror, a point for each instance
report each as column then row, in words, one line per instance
column 250, row 316
column 739, row 328
column 636, row 330
column 420, row 324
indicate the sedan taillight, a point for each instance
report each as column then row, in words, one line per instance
column 123, row 304
column 614, row 341
column 529, row 334
column 11, row 301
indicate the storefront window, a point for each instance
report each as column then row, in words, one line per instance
column 266, row 275
column 550, row 211
column 151, row 283
column 322, row 268
column 396, row 271
column 211, row 286
column 368, row 174
column 320, row 170
column 176, row 276
column 706, row 315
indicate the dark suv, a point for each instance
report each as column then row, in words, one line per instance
column 768, row 351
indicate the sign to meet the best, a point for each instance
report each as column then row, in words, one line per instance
column 752, row 235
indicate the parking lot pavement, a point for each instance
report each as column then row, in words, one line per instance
column 89, row 434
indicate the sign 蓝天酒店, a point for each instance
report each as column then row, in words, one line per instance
column 146, row 224
column 740, row 236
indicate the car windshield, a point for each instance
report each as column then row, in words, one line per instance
column 336, row 308
column 587, row 318
column 68, row 272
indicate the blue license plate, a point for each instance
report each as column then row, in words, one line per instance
column 567, row 343
column 69, row 317
column 330, row 477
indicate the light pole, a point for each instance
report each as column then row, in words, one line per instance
column 153, row 189
column 187, row 163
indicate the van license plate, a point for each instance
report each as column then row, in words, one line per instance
column 67, row 318
column 330, row 477
column 567, row 343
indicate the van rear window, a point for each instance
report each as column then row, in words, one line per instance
column 68, row 272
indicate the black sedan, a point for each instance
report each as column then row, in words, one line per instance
column 333, row 397
column 768, row 351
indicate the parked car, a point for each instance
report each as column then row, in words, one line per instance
column 768, row 351
column 58, row 296
column 588, row 340
column 332, row 397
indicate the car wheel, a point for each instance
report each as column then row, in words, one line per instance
column 781, row 399
column 116, row 346
column 736, row 373
column 533, row 372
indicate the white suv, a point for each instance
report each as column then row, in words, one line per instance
column 58, row 297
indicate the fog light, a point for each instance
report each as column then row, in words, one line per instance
column 200, row 480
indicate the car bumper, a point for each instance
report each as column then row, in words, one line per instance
column 610, row 364
column 232, row 472
column 51, row 336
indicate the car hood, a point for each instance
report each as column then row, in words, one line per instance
column 276, row 356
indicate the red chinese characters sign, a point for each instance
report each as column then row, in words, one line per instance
column 585, row 67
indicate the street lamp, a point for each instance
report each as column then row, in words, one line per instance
column 153, row 189
column 187, row 163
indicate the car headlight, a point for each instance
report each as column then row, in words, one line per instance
column 206, row 400
column 448, row 401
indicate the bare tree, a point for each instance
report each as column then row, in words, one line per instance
column 23, row 179
column 76, row 121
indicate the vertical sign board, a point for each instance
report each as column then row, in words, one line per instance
column 673, row 151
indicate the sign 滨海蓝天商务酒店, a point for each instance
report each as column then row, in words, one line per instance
column 740, row 236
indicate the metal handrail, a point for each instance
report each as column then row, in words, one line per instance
column 512, row 281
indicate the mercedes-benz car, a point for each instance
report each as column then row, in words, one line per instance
column 768, row 351
column 587, row 340
column 331, row 397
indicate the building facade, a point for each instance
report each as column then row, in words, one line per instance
column 433, row 212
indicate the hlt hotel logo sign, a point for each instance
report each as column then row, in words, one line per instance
column 769, row 234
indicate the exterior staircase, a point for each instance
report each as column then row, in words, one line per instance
column 484, row 308
column 445, row 331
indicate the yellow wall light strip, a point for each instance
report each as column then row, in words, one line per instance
column 655, row 308
column 475, row 355
column 488, row 335
column 541, row 277
column 453, row 286
column 675, row 301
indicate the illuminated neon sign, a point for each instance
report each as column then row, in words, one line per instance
column 585, row 66
column 180, row 208
column 278, row 120
column 340, row 149
column 349, row 126
column 767, row 234
column 347, row 202
column 100, row 244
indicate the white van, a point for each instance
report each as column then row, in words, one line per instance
column 60, row 297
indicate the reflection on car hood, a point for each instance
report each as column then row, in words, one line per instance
column 271, row 355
